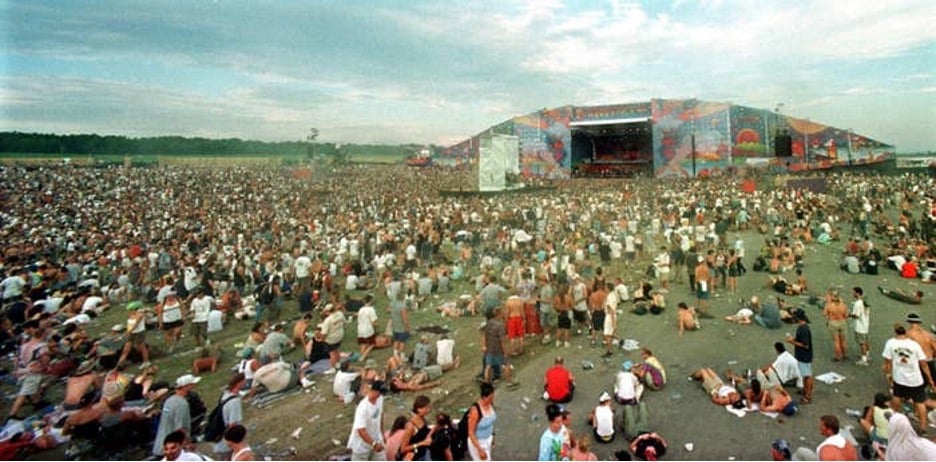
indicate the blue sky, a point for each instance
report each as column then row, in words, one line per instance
column 440, row 71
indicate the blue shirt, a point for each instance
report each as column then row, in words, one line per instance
column 550, row 445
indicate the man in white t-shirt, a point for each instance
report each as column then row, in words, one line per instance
column 367, row 326
column 301, row 267
column 94, row 303
column 445, row 351
column 201, row 307
column 907, row 370
column 861, row 313
column 602, row 419
column 366, row 439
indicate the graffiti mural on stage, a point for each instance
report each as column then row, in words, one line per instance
column 675, row 123
column 728, row 139
column 545, row 143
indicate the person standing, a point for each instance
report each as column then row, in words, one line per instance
column 552, row 443
column 366, row 439
column 836, row 313
column 861, row 313
column 399, row 324
column 201, row 307
column 235, row 439
column 545, row 305
column 175, row 415
column 907, row 370
column 702, row 276
column 481, row 418
column 136, row 332
column 417, row 437
column 610, row 319
column 367, row 326
column 926, row 340
column 232, row 412
column 803, row 352
column 494, row 348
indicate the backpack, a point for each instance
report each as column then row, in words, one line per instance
column 214, row 430
column 460, row 442
column 197, row 412
column 265, row 294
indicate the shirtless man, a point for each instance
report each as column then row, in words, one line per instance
column 514, row 308
column 720, row 393
column 926, row 340
column 836, row 313
column 596, row 301
column 686, row 317
column 703, row 279
column 775, row 399
column 84, row 380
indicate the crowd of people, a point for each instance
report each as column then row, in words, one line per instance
column 184, row 250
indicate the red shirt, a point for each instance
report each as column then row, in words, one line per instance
column 558, row 382
column 910, row 270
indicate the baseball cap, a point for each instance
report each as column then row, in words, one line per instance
column 782, row 447
column 186, row 380
column 604, row 397
column 134, row 305
column 914, row 318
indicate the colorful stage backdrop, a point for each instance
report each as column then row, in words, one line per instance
column 728, row 139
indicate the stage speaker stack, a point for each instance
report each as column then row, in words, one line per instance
column 783, row 145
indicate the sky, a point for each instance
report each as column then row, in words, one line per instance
column 412, row 71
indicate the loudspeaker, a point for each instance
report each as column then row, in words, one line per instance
column 783, row 145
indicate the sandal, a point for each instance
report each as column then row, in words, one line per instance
column 805, row 400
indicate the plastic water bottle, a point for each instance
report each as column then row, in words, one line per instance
column 853, row 412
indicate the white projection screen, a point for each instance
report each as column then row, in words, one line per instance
column 498, row 155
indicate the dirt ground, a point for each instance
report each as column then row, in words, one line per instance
column 681, row 412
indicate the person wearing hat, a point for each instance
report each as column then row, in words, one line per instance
column 366, row 438
column 907, row 369
column 926, row 340
column 136, row 334
column 803, row 352
column 780, row 450
column 602, row 419
column 175, row 415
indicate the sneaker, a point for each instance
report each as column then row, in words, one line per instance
column 566, row 344
column 558, row 343
column 329, row 372
column 145, row 365
column 862, row 362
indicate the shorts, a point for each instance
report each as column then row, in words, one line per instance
column 598, row 318
column 172, row 325
column 664, row 274
column 608, row 330
column 545, row 318
column 564, row 322
column 514, row 327
column 805, row 369
column 30, row 384
column 199, row 329
column 580, row 316
column 401, row 337
column 433, row 372
column 333, row 346
column 495, row 362
column 138, row 338
column 702, row 294
column 837, row 327
column 915, row 394
column 862, row 338
column 711, row 384
column 367, row 340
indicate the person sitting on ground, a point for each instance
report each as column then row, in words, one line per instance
column 776, row 399
column 767, row 315
column 753, row 394
column 275, row 377
column 875, row 421
column 720, row 393
column 558, row 383
column 648, row 446
column 601, row 419
column 580, row 450
column 657, row 302
column 651, row 371
column 902, row 296
column 627, row 388
column 781, row 285
column 686, row 317
column 403, row 378
column 82, row 381
column 904, row 444
column 343, row 384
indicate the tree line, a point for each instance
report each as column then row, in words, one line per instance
column 93, row 144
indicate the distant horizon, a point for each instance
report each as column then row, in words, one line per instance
column 437, row 72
